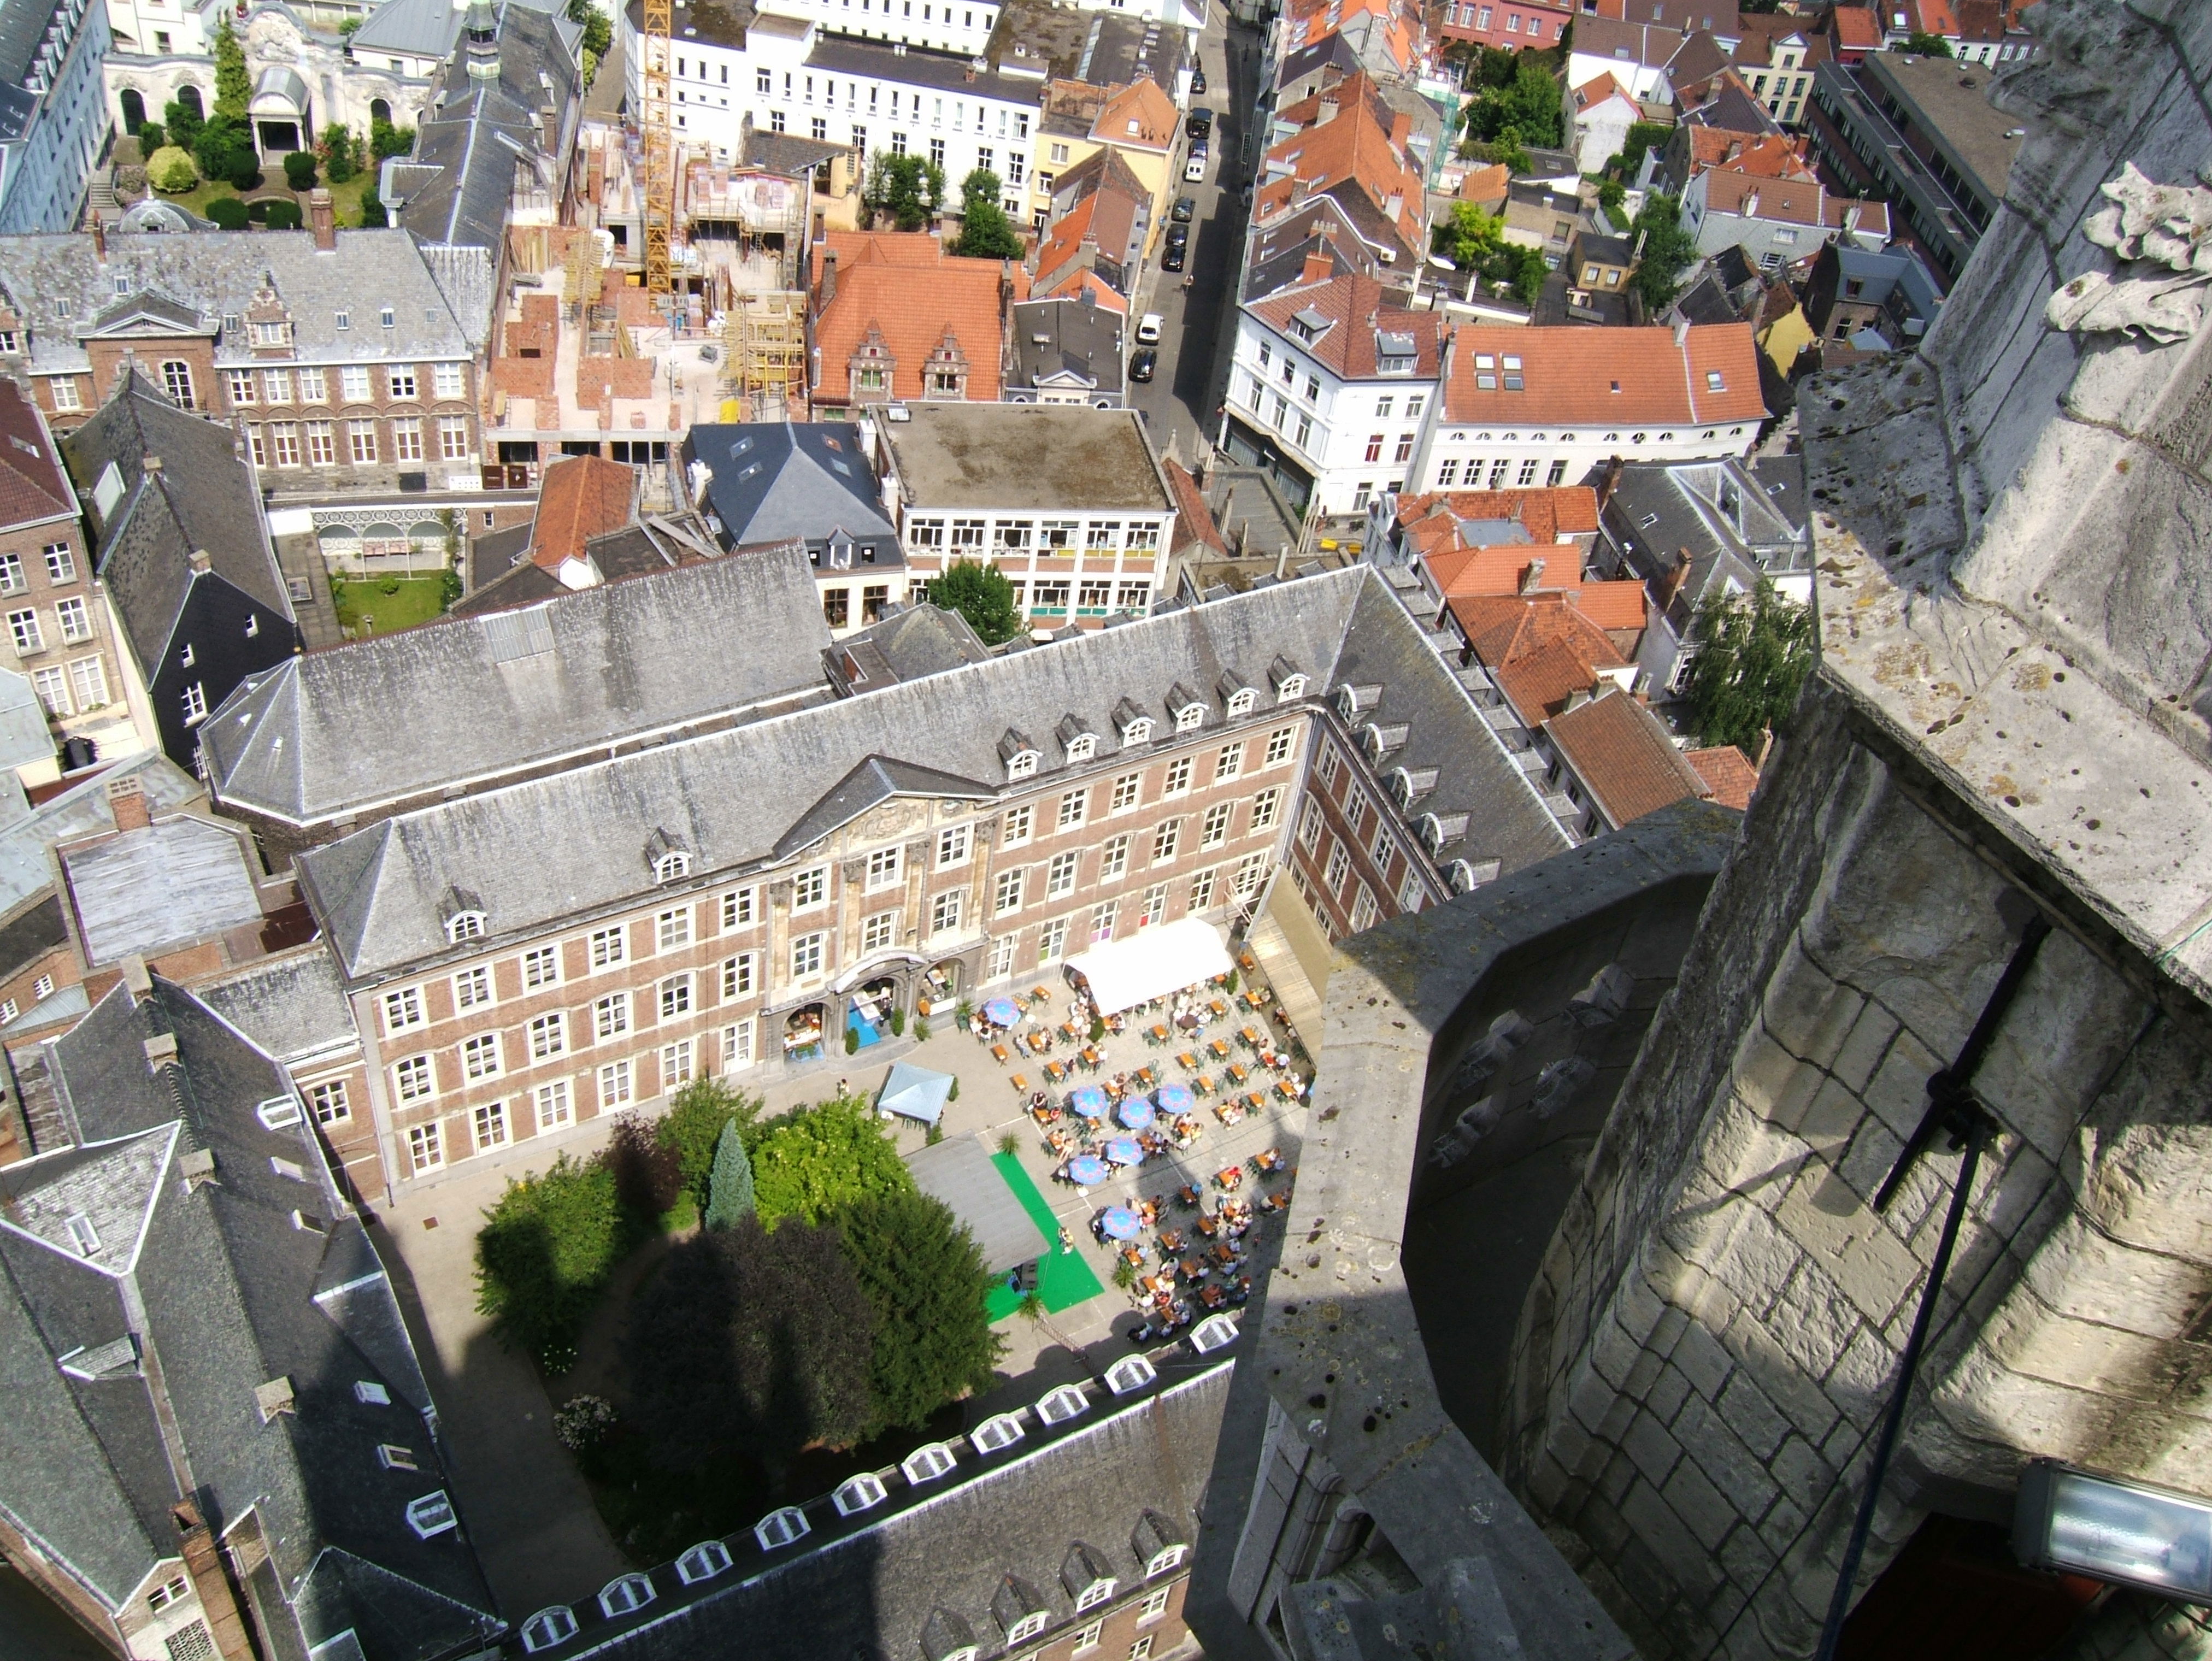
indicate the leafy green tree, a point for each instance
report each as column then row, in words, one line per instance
column 1642, row 135
column 816, row 1163
column 234, row 86
column 693, row 1125
column 597, row 31
column 283, row 217
column 753, row 1343
column 224, row 150
column 1529, row 103
column 151, row 137
column 545, row 1251
column 299, row 170
column 1753, row 655
column 1474, row 241
column 182, row 122
column 341, row 153
column 386, row 140
column 908, row 189
column 170, row 169
column 373, row 217
column 228, row 213
column 647, row 1177
column 732, row 1186
column 925, row 1279
column 1924, row 44
column 981, row 595
column 1611, row 196
column 1664, row 249
column 985, row 230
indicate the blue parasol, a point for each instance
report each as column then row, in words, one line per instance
column 1123, row 1150
column 1120, row 1223
column 1088, row 1100
column 1134, row 1111
column 1175, row 1099
column 1088, row 1169
column 1001, row 1012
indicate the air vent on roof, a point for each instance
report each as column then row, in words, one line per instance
column 277, row 1113
column 369, row 1393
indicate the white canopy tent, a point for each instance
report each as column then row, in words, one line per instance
column 1151, row 962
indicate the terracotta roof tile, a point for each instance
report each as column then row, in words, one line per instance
column 1624, row 756
column 1577, row 376
column 1354, row 145
column 1769, row 155
column 1539, row 651
column 581, row 497
column 880, row 286
column 1488, row 184
column 1856, row 28
column 1728, row 774
column 1789, row 200
column 1193, row 519
column 1138, row 114
column 1358, row 311
column 31, row 483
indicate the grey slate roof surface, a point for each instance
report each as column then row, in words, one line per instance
column 81, row 810
column 171, row 883
column 944, row 71
column 215, row 277
column 868, row 1591
column 291, row 1005
column 574, row 843
column 202, row 499
column 769, row 482
column 1077, row 337
column 622, row 659
column 419, row 28
column 1732, row 527
column 32, row 935
column 879, row 779
column 229, row 1286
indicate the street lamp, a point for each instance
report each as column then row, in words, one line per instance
column 2128, row 1533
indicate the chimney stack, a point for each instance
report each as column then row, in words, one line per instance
column 1681, row 332
column 1320, row 266
column 1532, row 578
column 1750, row 204
column 98, row 238
column 1671, row 586
column 150, row 464
column 1401, row 128
column 1327, row 110
column 322, row 218
column 200, row 562
column 126, row 802
column 202, row 1557
column 828, row 278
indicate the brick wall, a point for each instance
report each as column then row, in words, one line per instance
column 58, row 628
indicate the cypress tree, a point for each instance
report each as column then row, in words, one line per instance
column 731, row 1194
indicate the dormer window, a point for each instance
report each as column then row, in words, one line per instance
column 858, row 1493
column 1214, row 1332
column 1019, row 753
column 1164, row 1560
column 464, row 916
column 1293, row 687
column 1713, row 381
column 431, row 1515
column 1242, row 702
column 1131, row 1372
column 1068, row 1402
column 1094, row 1594
column 926, row 1464
column 1028, row 1626
column 1022, row 764
column 1190, row 717
column 666, row 857
column 1085, row 1575
column 548, row 1626
column 1001, row 1431
column 780, row 1528
column 1083, row 749
column 703, row 1562
column 1139, row 731
column 388, row 317
column 626, row 1592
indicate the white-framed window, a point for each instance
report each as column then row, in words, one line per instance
column 1201, row 888
column 738, row 1045
column 1101, row 923
column 1364, row 911
column 880, row 931
column 1001, row 1431
column 1329, row 764
column 480, row 1057
column 464, row 925
column 671, row 864
column 1228, row 763
column 1000, row 961
column 74, row 618
column 1052, row 941
column 1167, row 840
column 449, row 380
column 177, row 382
column 1280, row 743
column 610, row 947
column 676, row 996
column 1155, row 909
column 703, row 1562
column 1177, row 781
column 322, row 443
column 1073, row 807
column 1410, row 892
column 431, row 1514
column 1213, row 829
column 24, row 626
column 453, row 438
column 426, row 1147
column 1113, row 857
column 740, row 909
column 671, row 930
column 66, row 396
column 1266, row 808
column 1087, row 1640
column 414, row 1079
column 406, row 439
column 169, row 1592
column 61, row 563
column 1251, row 872
column 806, row 955
column 739, row 977
column 555, row 1107
column 610, row 1016
column 952, row 845
column 1059, row 876
column 884, row 865
column 944, row 910
column 548, row 1626
column 624, row 1593
column 1142, row 1649
column 1190, row 717
column 472, row 987
column 810, row 888
column 1340, row 866
column 328, row 1101
column 617, row 1085
column 541, row 967
column 1129, row 791
column 314, row 386
column 676, row 1064
column 353, row 383
column 1018, row 824
column 1007, row 891
column 361, row 440
column 491, row 1126
column 195, row 702
column 403, row 1010
column 1309, row 826
column 88, row 680
column 52, row 684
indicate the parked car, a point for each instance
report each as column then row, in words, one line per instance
column 1178, row 236
column 1174, row 258
column 1185, row 208
column 1193, row 171
column 1148, row 328
column 1197, row 123
column 1197, row 81
column 1142, row 366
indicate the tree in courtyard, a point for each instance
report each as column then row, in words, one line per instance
column 814, row 1164
column 981, row 595
column 647, row 1176
column 225, row 150
column 906, row 188
column 731, row 1190
column 170, row 169
column 1663, row 249
column 985, row 230
column 598, row 32
column 692, row 1130
column 234, row 86
column 341, row 153
column 182, row 123
column 1924, row 44
column 1474, row 241
column 1753, row 653
column 546, row 1249
column 925, row 1279
column 1527, row 102
column 753, row 1343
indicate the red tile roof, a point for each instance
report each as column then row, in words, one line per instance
column 32, row 485
column 1789, row 200
column 1576, row 376
column 906, row 287
column 1546, row 513
column 1356, row 309
column 1856, row 28
column 1488, row 184
column 1353, row 145
column 1540, row 650
column 1728, row 774
column 1193, row 519
column 1139, row 115
column 581, row 497
column 1771, row 156
column 1622, row 752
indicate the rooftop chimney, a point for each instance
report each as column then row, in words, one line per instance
column 1401, row 128
column 1681, row 332
column 98, row 238
column 126, row 801
column 150, row 464
column 1750, row 204
column 160, row 1051
column 1320, row 267
column 201, row 563
column 1671, row 586
column 135, row 977
column 1327, row 110
column 1532, row 578
column 322, row 218
column 829, row 277
column 204, row 1562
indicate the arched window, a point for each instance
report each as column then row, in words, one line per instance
column 134, row 110
column 380, row 110
column 548, row 1626
column 189, row 96
column 703, row 1562
column 625, row 1593
column 1242, row 702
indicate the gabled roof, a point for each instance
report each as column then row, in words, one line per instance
column 32, row 486
column 1764, row 155
column 203, row 498
column 1855, row 27
column 1139, row 116
column 772, row 481
column 580, row 497
column 1635, row 376
column 881, row 286
column 419, row 28
column 1790, row 202
column 1646, row 45
column 1539, row 651
column 1728, row 776
column 1617, row 748
column 482, row 697
column 873, row 781
column 1354, row 145
column 1357, row 312
column 1071, row 339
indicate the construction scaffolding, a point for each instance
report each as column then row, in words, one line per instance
column 764, row 337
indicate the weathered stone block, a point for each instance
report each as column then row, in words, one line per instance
column 1754, row 1419
column 1864, row 1047
column 2082, row 1272
column 1823, row 1214
column 1802, row 1400
column 1764, row 1071
column 1898, row 1092
column 1702, row 1360
column 1807, row 1012
column 1652, row 1447
column 1725, row 1458
column 1669, row 1391
column 1802, row 1474
column 1814, row 1322
column 1691, row 1567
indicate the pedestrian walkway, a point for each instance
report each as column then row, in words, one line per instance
column 1064, row 1280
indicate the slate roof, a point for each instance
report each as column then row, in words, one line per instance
column 875, row 780
column 1733, row 524
column 1620, row 751
column 910, row 641
column 290, row 1006
column 1060, row 339
column 230, row 1294
column 865, row 1587
column 162, row 885
column 1570, row 375
column 203, row 498
column 81, row 810
column 59, row 285
column 32, row 486
column 572, row 843
column 474, row 698
column 774, row 481
column 1790, row 201
column 419, row 28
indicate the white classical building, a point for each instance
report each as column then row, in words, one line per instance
column 1547, row 405
column 878, row 74
column 52, row 119
column 1330, row 389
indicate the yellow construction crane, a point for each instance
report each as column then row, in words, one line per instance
column 659, row 149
